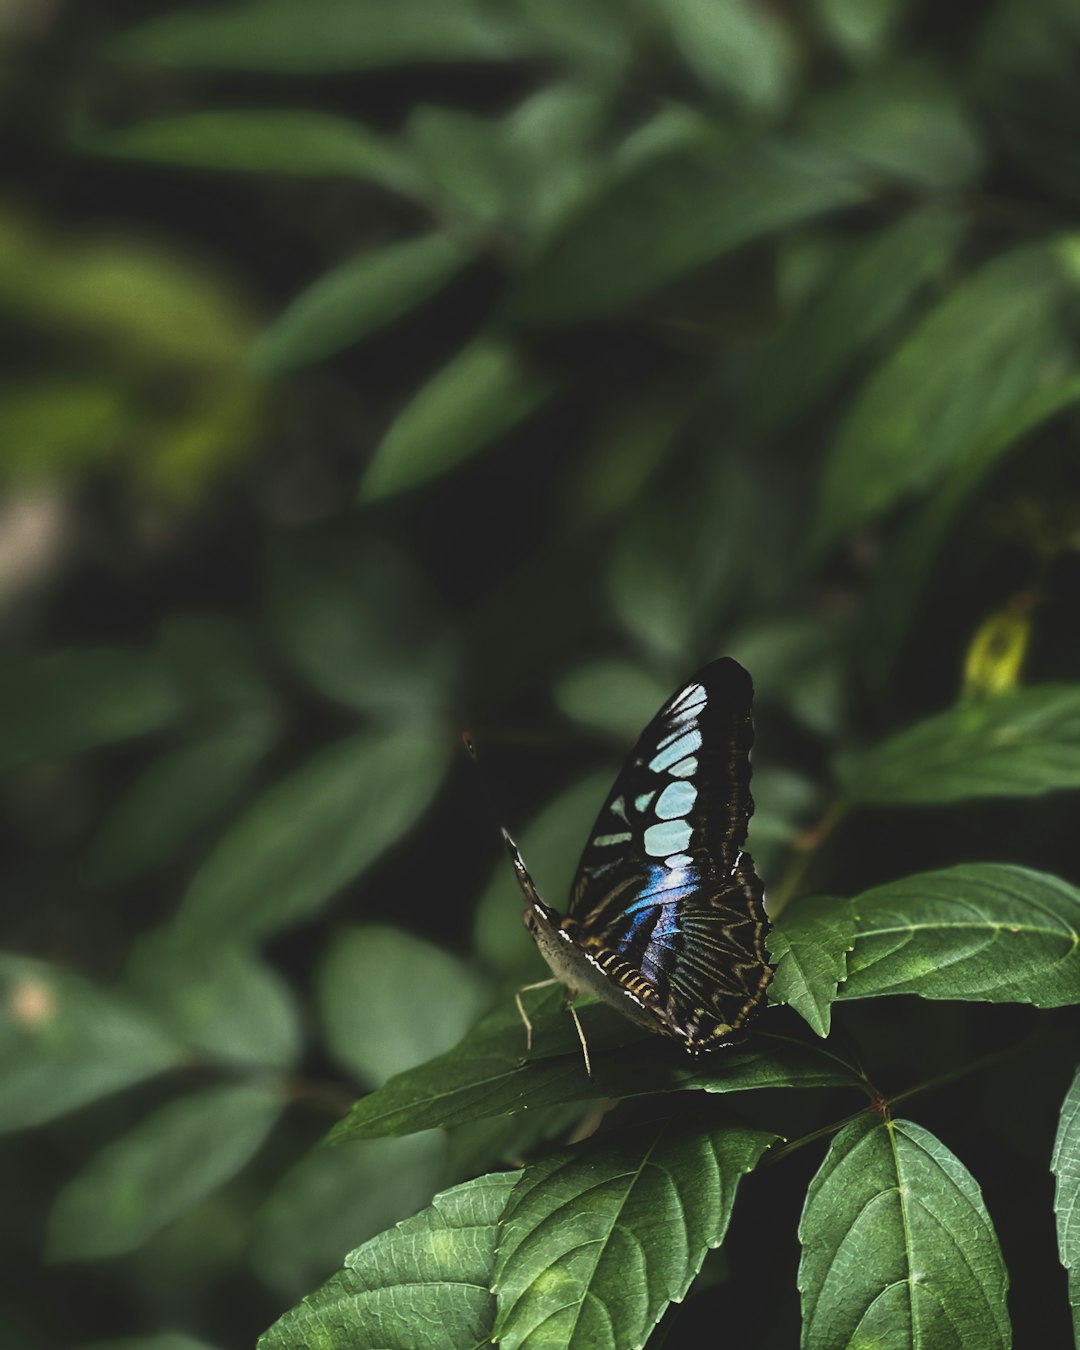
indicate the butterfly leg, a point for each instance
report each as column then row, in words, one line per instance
column 581, row 1036
column 525, row 989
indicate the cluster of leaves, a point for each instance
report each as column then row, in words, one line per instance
column 775, row 315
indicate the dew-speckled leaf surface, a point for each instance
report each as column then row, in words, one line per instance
column 1066, row 1168
column 898, row 1249
column 985, row 932
column 1017, row 745
column 597, row 1241
column 426, row 1282
column 810, row 944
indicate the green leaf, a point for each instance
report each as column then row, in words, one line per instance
column 597, row 1241
column 738, row 49
column 617, row 697
column 671, row 216
column 336, row 1198
column 795, row 663
column 432, row 1271
column 552, row 844
column 269, row 140
column 906, row 122
column 158, row 1171
column 863, row 296
column 1065, row 1165
column 482, row 392
column 183, row 790
column 905, row 569
column 389, row 1001
column 860, row 28
column 168, row 1340
column 984, row 931
column 322, row 36
column 354, row 299
column 64, row 1043
column 359, row 622
column 898, row 1249
column 972, row 361
column 1015, row 745
column 489, row 1074
column 809, row 943
column 62, row 702
column 313, row 832
column 458, row 156
column 220, row 1001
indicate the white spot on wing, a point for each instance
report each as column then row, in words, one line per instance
column 686, row 768
column 677, row 799
column 603, row 840
column 642, row 803
column 670, row 836
column 678, row 860
column 684, row 745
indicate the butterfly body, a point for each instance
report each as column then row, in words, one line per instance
column 666, row 920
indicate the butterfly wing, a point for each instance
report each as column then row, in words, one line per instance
column 664, row 885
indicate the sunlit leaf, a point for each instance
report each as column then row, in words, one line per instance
column 219, row 1000
column 354, row 299
column 433, row 1271
column 809, row 944
column 675, row 214
column 160, row 1170
column 314, row 831
column 359, row 622
column 597, row 1241
column 985, row 931
column 183, row 790
column 268, row 140
column 1017, row 745
column 898, row 1248
column 324, row 35
column 866, row 292
column 970, row 363
column 336, row 1198
column 389, row 1001
column 62, row 702
column 1065, row 1165
column 485, row 1075
column 483, row 391
column 995, row 654
column 64, row 1043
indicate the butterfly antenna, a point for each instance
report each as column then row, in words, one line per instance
column 528, row 887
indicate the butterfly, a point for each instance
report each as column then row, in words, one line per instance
column 666, row 920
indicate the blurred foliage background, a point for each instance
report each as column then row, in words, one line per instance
column 375, row 368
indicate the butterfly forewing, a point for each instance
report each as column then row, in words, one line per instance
column 664, row 883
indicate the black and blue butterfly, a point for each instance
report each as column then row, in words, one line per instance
column 666, row 919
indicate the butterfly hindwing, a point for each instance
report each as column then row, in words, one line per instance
column 664, row 884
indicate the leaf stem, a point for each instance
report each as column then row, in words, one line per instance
column 883, row 1105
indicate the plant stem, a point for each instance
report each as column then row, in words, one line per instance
column 806, row 847
column 884, row 1105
